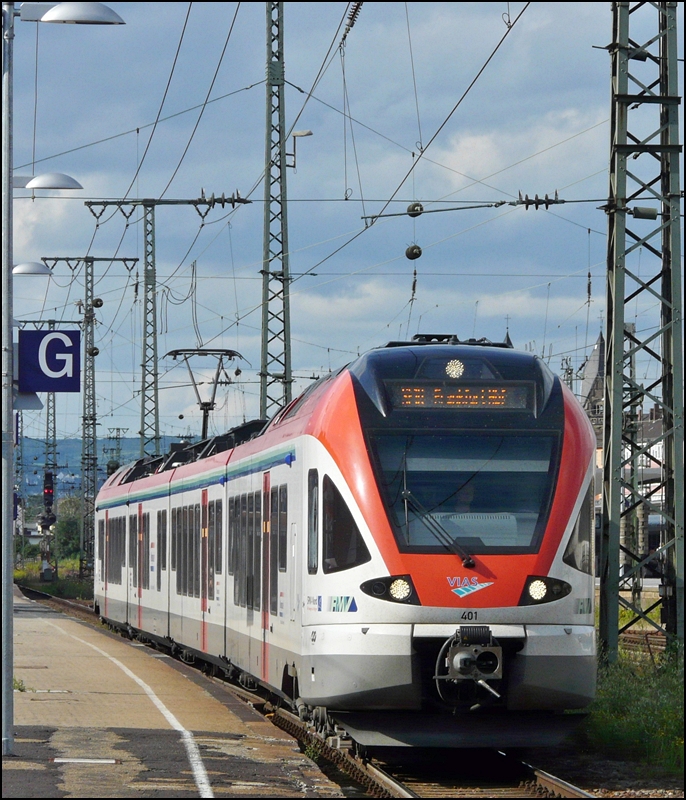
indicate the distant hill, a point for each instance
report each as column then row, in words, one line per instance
column 68, row 474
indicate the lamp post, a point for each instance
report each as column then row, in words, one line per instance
column 83, row 13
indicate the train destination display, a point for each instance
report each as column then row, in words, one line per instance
column 404, row 394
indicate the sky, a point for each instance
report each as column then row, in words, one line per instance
column 535, row 121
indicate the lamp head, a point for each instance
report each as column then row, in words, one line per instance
column 82, row 14
column 53, row 180
column 31, row 268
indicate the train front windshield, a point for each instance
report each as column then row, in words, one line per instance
column 465, row 444
column 487, row 492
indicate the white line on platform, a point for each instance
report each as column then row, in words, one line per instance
column 202, row 781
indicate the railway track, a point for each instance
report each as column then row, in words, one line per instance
column 431, row 773
column 415, row 773
column 643, row 642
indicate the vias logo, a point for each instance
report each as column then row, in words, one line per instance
column 464, row 586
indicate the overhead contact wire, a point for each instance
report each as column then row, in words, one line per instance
column 429, row 143
column 204, row 105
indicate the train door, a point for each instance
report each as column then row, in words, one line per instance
column 141, row 563
column 105, row 560
column 131, row 566
column 133, row 582
column 264, row 655
column 204, row 570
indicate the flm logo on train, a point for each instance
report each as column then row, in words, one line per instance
column 49, row 361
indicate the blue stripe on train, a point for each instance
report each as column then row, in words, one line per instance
column 221, row 476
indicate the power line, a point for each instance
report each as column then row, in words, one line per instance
column 138, row 128
column 164, row 97
column 429, row 143
column 204, row 105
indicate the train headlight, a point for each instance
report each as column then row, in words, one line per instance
column 454, row 368
column 541, row 589
column 393, row 588
column 400, row 589
column 537, row 590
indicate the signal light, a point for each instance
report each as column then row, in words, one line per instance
column 48, row 489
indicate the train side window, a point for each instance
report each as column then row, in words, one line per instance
column 173, row 539
column 176, row 547
column 133, row 547
column 145, row 566
column 211, row 534
column 257, row 552
column 179, row 550
column 231, row 525
column 242, row 555
column 158, row 571
column 312, row 521
column 162, row 538
column 183, row 551
column 121, row 547
column 116, row 551
column 101, row 547
column 236, row 508
column 249, row 548
column 274, row 551
column 283, row 528
column 579, row 550
column 190, row 590
column 219, row 537
column 111, row 549
column 188, row 550
column 132, row 539
column 344, row 546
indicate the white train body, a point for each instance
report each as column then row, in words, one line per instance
column 300, row 557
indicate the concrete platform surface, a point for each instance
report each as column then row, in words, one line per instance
column 99, row 716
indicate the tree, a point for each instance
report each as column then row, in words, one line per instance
column 67, row 537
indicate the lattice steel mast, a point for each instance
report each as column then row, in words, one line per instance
column 89, row 454
column 50, row 426
column 150, row 413
column 275, row 364
column 645, row 97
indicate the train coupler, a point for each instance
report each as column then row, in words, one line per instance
column 472, row 654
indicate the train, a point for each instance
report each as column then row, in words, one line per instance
column 405, row 548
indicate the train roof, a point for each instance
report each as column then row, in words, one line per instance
column 452, row 339
column 387, row 359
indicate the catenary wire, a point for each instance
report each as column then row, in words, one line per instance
column 204, row 105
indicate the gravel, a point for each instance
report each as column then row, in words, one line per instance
column 603, row 776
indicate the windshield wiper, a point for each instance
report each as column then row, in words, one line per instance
column 435, row 527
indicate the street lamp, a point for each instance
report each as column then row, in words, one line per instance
column 31, row 268
column 84, row 13
column 296, row 135
column 48, row 180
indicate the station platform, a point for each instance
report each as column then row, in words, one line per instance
column 98, row 716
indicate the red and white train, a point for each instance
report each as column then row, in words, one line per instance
column 412, row 533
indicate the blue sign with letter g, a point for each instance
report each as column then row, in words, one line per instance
column 49, row 361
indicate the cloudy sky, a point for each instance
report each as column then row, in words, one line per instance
column 536, row 120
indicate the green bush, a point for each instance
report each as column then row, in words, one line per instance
column 68, row 589
column 639, row 710
column 67, row 585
